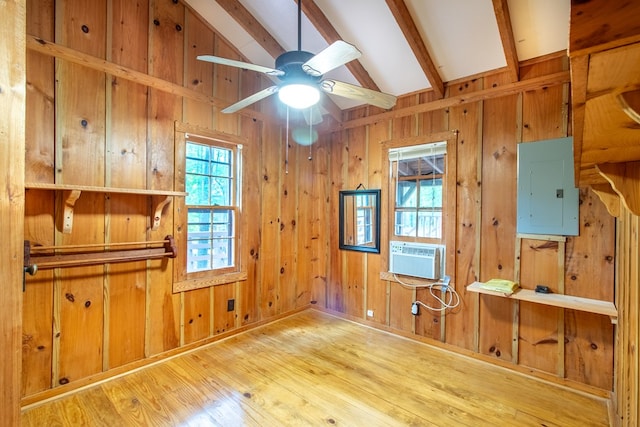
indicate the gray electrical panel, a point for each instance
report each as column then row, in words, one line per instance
column 548, row 201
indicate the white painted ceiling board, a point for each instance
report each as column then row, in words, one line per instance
column 461, row 35
column 386, row 55
column 540, row 27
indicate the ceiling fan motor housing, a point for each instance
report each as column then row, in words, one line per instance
column 291, row 63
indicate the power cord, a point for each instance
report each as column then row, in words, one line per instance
column 451, row 298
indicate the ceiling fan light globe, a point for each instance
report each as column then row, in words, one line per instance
column 299, row 96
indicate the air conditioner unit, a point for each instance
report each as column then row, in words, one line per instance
column 416, row 259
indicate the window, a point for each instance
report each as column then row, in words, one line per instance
column 418, row 173
column 211, row 179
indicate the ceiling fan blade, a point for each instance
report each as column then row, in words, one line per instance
column 337, row 54
column 250, row 100
column 379, row 99
column 239, row 64
column 312, row 115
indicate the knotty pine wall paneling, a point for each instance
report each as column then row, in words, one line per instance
column 501, row 132
column 12, row 203
column 336, row 266
column 627, row 336
column 166, row 41
column 356, row 262
column 127, row 105
column 272, row 155
column 37, row 314
column 250, row 250
column 539, row 334
column 226, row 86
column 40, row 96
column 78, row 345
column 376, row 289
column 125, row 286
column 304, row 224
column 320, row 230
column 467, row 120
column 288, row 227
column 199, row 40
column 589, row 267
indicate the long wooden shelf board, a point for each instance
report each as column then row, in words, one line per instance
column 95, row 189
column 557, row 300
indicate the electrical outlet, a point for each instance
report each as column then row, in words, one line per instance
column 369, row 313
column 231, row 304
column 415, row 310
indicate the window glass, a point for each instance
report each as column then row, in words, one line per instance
column 211, row 207
column 419, row 188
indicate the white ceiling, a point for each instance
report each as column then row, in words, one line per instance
column 461, row 36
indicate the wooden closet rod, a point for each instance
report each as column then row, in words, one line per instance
column 84, row 255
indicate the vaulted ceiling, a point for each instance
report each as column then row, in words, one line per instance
column 406, row 45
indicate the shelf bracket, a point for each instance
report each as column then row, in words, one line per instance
column 159, row 202
column 625, row 181
column 608, row 197
column 69, row 198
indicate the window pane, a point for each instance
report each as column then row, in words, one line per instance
column 198, row 151
column 210, row 181
column 431, row 193
column 430, row 224
column 198, row 255
column 197, row 166
column 222, row 253
column 223, row 223
column 199, row 223
column 405, row 223
column 364, row 233
column 199, row 189
column 221, row 191
column 406, row 196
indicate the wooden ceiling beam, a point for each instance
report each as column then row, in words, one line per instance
column 324, row 27
column 260, row 34
column 501, row 9
column 406, row 23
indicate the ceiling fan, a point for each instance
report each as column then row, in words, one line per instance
column 301, row 76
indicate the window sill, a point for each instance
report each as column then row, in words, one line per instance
column 222, row 279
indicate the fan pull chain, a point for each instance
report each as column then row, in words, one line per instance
column 310, row 134
column 286, row 158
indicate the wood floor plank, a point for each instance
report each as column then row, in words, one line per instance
column 316, row 369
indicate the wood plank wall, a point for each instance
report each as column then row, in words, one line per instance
column 571, row 346
column 87, row 126
column 627, row 364
column 12, row 131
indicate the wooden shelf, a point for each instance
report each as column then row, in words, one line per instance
column 96, row 189
column 71, row 193
column 557, row 300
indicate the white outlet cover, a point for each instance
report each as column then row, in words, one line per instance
column 369, row 313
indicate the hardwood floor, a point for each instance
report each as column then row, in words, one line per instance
column 316, row 369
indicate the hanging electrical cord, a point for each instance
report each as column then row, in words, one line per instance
column 450, row 300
